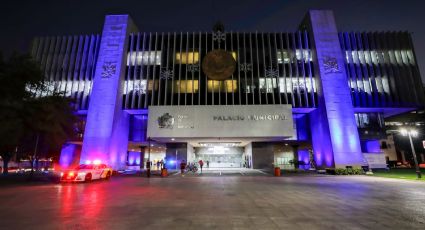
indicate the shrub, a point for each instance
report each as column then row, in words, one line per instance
column 357, row 171
column 341, row 171
column 330, row 171
column 344, row 171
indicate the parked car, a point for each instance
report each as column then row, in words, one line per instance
column 87, row 173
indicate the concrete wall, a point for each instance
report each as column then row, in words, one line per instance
column 221, row 121
column 390, row 151
column 302, row 125
column 138, row 128
column 262, row 155
column 190, row 153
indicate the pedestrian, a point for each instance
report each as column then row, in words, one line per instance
column 201, row 164
column 208, row 164
column 148, row 168
column 182, row 167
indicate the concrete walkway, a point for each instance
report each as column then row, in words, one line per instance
column 224, row 172
column 219, row 202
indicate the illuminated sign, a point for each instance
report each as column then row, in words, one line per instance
column 220, row 121
column 262, row 117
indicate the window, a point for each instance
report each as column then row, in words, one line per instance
column 292, row 85
column 144, row 58
column 267, row 85
column 369, row 120
column 186, row 86
column 285, row 56
column 140, row 86
column 187, row 58
column 226, row 86
column 192, row 57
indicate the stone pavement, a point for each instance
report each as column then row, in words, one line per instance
column 219, row 202
column 224, row 172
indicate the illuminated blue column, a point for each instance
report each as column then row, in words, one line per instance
column 334, row 132
column 106, row 131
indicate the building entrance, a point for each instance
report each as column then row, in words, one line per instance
column 221, row 155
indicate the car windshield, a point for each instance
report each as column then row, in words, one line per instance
column 85, row 167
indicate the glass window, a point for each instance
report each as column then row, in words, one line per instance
column 140, row 86
column 144, row 58
column 267, row 85
column 285, row 56
column 192, row 57
column 226, row 86
column 186, row 86
column 187, row 58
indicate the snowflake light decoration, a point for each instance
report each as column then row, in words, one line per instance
column 246, row 67
column 166, row 74
column 193, row 68
column 271, row 73
column 219, row 36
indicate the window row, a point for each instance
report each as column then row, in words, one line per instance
column 266, row 85
column 192, row 57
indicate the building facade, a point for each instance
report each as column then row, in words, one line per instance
column 234, row 99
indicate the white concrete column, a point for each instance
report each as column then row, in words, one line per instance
column 106, row 131
column 335, row 137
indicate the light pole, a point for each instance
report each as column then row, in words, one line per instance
column 414, row 133
column 148, row 163
column 176, row 160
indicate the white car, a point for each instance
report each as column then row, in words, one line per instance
column 86, row 173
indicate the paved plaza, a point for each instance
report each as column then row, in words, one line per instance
column 246, row 201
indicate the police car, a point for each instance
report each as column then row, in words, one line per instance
column 87, row 172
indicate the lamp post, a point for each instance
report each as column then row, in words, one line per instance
column 176, row 160
column 148, row 163
column 414, row 133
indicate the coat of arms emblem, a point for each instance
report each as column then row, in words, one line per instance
column 330, row 64
column 166, row 121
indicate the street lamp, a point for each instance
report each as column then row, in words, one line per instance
column 412, row 133
column 176, row 159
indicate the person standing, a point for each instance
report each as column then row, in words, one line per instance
column 201, row 164
column 182, row 167
column 208, row 164
column 148, row 168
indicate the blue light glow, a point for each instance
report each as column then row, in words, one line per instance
column 68, row 154
column 371, row 146
column 133, row 158
column 303, row 155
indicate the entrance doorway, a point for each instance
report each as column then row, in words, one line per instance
column 221, row 155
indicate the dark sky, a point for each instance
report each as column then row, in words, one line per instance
column 21, row 20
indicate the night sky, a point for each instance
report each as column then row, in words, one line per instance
column 21, row 20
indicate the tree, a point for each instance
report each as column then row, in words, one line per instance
column 25, row 115
column 51, row 124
